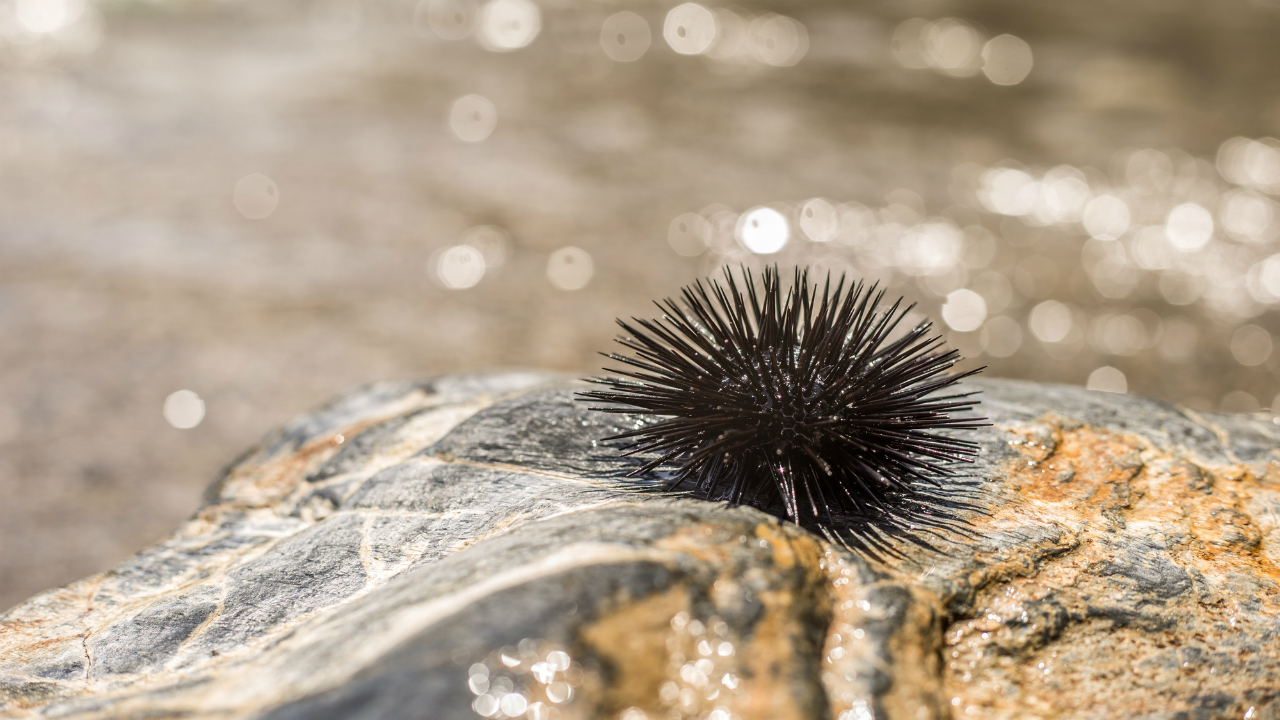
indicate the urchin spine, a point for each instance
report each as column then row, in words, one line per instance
column 798, row 401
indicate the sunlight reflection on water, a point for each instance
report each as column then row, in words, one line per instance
column 268, row 201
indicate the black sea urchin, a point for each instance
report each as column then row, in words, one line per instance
column 798, row 402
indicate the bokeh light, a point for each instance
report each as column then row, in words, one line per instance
column 183, row 409
column 1238, row 401
column 954, row 47
column 625, row 37
column 1189, row 227
column 447, row 19
column 570, row 268
column 763, row 231
column 1051, row 321
column 255, row 196
column 1008, row 191
column 1089, row 264
column 689, row 234
column 1106, row 217
column 819, row 220
column 1251, row 163
column 1251, row 345
column 1248, row 216
column 1107, row 379
column 472, row 118
column 493, row 243
column 907, row 46
column 1007, row 60
column 731, row 41
column 964, row 310
column 689, row 29
column 526, row 681
column 1118, row 334
column 43, row 17
column 460, row 267
column 505, row 25
column 777, row 40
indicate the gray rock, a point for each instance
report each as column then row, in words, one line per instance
column 467, row 547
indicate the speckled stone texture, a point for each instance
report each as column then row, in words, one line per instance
column 464, row 547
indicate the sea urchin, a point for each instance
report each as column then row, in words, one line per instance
column 798, row 401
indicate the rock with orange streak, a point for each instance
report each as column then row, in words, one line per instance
column 467, row 547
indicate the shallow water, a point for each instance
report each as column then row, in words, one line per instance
column 263, row 203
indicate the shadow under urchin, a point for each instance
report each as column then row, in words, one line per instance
column 800, row 402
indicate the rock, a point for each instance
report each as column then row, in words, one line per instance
column 465, row 547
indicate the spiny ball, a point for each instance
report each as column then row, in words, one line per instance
column 801, row 401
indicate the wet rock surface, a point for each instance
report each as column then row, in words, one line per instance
column 464, row 547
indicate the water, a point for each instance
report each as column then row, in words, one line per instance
column 262, row 203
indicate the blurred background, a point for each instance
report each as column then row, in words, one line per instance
column 216, row 214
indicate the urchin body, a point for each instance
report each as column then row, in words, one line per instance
column 799, row 401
